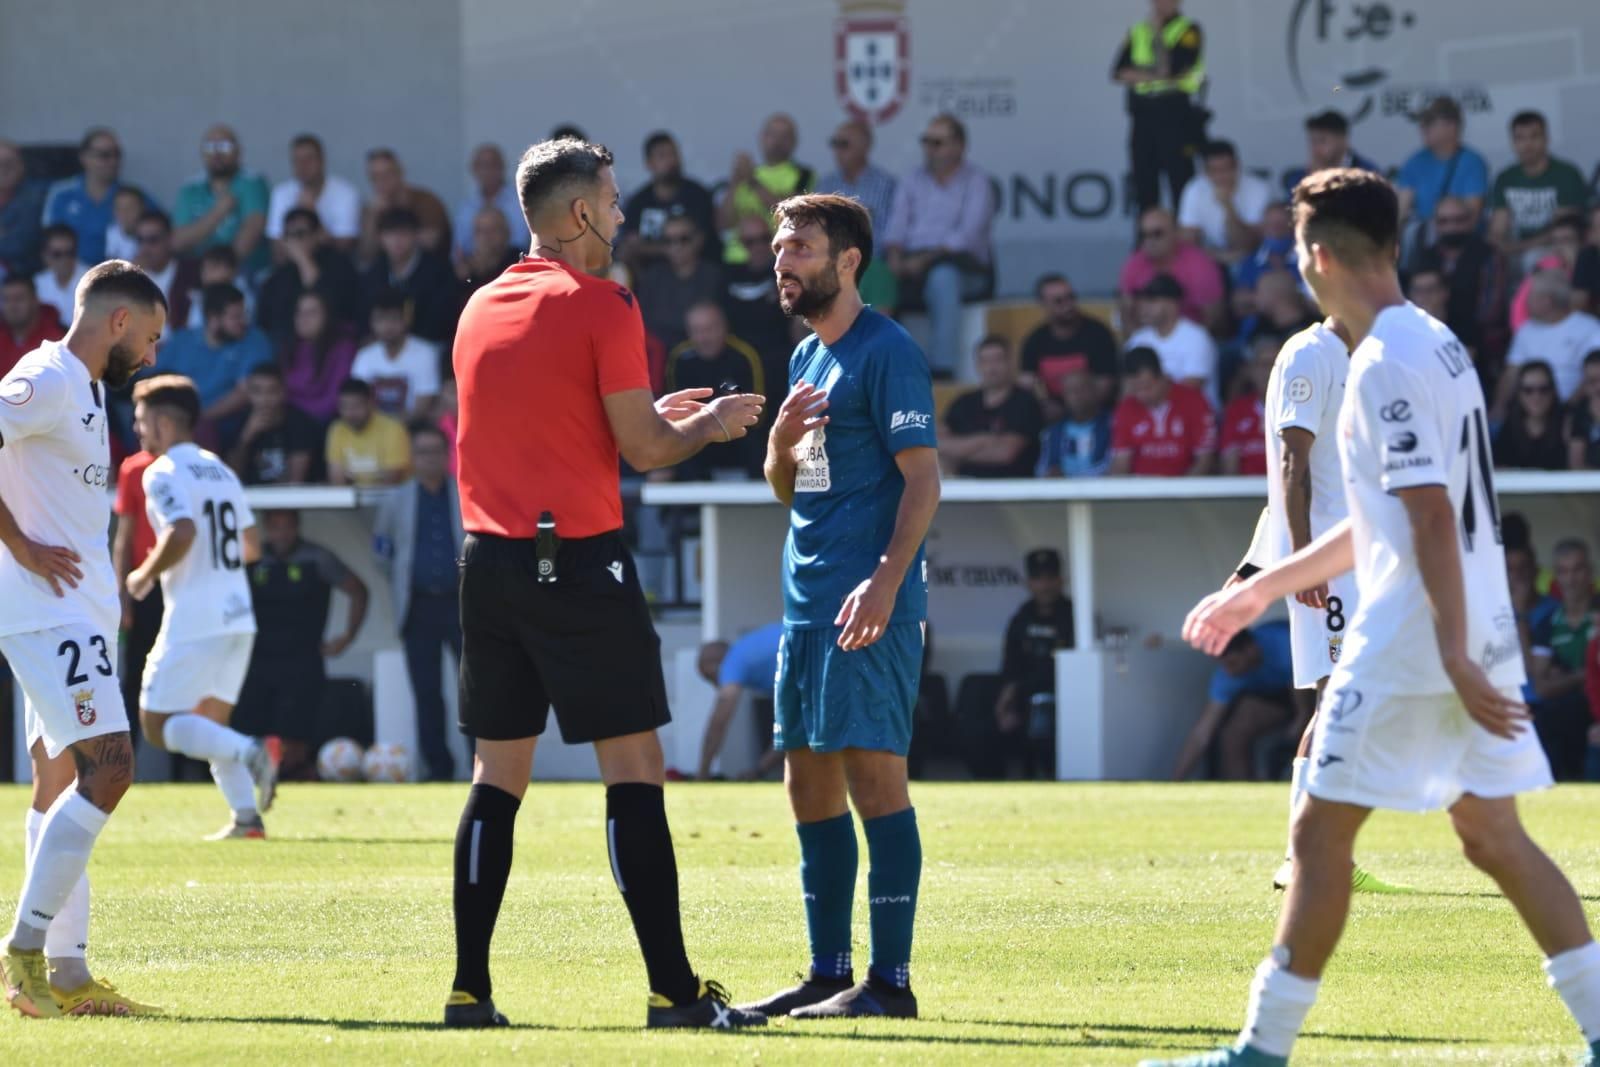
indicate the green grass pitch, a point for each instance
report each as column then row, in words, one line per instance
column 1075, row 924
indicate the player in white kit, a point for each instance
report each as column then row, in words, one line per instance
column 205, row 534
column 59, row 612
column 1423, row 711
column 1305, row 499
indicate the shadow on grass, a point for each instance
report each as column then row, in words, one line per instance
column 430, row 842
column 1199, row 1031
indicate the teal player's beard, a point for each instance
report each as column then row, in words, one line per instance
column 816, row 296
column 122, row 363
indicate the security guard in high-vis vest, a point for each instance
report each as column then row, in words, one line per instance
column 1162, row 63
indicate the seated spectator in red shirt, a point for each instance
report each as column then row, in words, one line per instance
column 992, row 431
column 1162, row 251
column 1162, row 427
column 1066, row 341
column 1244, row 444
column 389, row 190
column 280, row 444
column 25, row 324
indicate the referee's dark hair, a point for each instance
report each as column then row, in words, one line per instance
column 550, row 168
column 1354, row 213
column 842, row 218
column 122, row 282
column 174, row 394
column 1142, row 360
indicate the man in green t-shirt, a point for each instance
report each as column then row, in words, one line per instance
column 226, row 205
column 1559, row 640
column 1529, row 195
column 753, row 191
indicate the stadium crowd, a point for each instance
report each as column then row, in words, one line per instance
column 316, row 314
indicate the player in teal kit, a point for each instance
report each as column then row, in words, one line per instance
column 852, row 453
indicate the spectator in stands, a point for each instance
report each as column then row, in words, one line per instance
column 83, row 201
column 25, row 324
column 753, row 191
column 1562, row 245
column 1078, row 445
column 855, row 175
column 1221, row 208
column 491, row 251
column 126, row 206
column 1426, row 288
column 1560, row 641
column 57, row 283
column 750, row 300
column 1251, row 697
column 1162, row 427
column 1555, row 334
column 449, row 417
column 1327, row 145
column 365, row 447
column 227, row 205
column 492, row 190
column 291, row 586
column 1531, row 436
column 1278, row 309
column 418, row 537
column 1066, row 341
column 747, row 665
column 1275, row 253
column 992, row 431
column 407, row 264
column 1186, row 351
column 21, row 205
column 178, row 279
column 1586, row 272
column 1583, row 426
column 219, row 266
column 279, row 444
column 1528, row 195
column 937, row 242
column 1024, row 723
column 386, row 179
column 1162, row 251
column 217, row 355
column 319, row 359
column 666, row 196
column 335, row 202
column 668, row 287
column 311, row 263
column 402, row 369
column 708, row 358
column 1477, row 277
column 1442, row 167
column 1243, row 444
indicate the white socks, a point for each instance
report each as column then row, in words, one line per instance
column 59, row 860
column 69, row 931
column 1279, row 1002
column 238, row 788
column 1575, row 975
column 200, row 738
column 1297, row 789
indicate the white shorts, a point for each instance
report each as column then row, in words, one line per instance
column 1414, row 753
column 180, row 674
column 69, row 677
column 1317, row 635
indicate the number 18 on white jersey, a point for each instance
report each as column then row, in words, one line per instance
column 207, row 592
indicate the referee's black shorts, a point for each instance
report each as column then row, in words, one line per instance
column 584, row 644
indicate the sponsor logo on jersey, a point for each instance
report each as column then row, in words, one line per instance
column 1344, row 704
column 1404, row 441
column 1299, row 390
column 83, row 704
column 909, row 420
column 1323, row 761
column 17, row 392
column 616, row 570
column 1408, row 462
column 1399, row 411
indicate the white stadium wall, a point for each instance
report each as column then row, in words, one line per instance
column 1029, row 77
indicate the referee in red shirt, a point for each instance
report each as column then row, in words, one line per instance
column 553, row 385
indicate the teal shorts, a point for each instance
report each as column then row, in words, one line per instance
column 828, row 699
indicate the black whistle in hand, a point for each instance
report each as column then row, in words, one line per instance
column 729, row 388
column 544, row 547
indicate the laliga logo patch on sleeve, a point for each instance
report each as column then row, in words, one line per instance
column 1300, row 390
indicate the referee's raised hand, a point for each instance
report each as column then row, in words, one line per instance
column 737, row 413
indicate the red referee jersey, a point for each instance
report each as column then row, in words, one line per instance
column 536, row 351
column 129, row 505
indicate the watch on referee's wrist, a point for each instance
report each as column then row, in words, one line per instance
column 1246, row 571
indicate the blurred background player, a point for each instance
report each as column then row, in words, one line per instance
column 748, row 665
column 58, row 626
column 1424, row 709
column 205, row 535
column 862, row 484
column 1305, row 499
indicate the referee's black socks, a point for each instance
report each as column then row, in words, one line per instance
column 483, row 863
column 646, row 873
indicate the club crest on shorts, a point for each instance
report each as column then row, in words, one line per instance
column 83, row 704
column 1335, row 645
